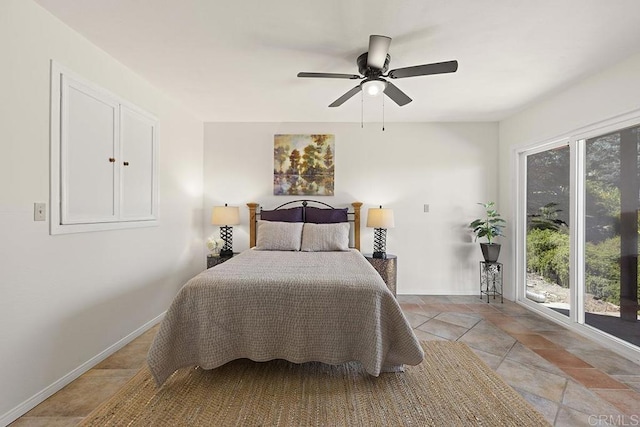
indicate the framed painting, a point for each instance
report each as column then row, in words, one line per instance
column 303, row 165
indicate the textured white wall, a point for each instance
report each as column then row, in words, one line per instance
column 64, row 299
column 449, row 166
column 610, row 93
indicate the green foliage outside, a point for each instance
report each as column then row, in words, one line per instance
column 548, row 204
column 602, row 270
column 549, row 255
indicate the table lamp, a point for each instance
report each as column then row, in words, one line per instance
column 380, row 219
column 226, row 216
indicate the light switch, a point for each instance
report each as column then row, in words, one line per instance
column 39, row 211
column 426, row 208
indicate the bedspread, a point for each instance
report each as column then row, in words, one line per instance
column 329, row 307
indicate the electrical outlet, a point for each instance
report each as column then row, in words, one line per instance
column 39, row 211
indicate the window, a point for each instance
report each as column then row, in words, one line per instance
column 103, row 158
column 577, row 230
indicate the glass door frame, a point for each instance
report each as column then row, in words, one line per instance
column 520, row 226
column 576, row 141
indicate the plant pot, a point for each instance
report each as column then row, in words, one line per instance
column 490, row 251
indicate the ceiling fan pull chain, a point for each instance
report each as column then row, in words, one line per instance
column 361, row 110
column 383, row 111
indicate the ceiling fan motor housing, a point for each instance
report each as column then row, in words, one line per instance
column 371, row 72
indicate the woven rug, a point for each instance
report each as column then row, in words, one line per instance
column 451, row 387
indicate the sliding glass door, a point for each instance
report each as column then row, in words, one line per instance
column 578, row 229
column 547, row 228
column 612, row 200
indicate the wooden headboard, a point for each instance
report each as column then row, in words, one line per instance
column 354, row 218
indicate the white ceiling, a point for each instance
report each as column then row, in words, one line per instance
column 237, row 60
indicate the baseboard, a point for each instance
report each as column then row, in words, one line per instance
column 48, row 391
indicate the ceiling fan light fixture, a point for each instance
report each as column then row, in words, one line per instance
column 374, row 87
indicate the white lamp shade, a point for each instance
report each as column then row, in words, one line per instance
column 225, row 215
column 380, row 218
column 374, row 87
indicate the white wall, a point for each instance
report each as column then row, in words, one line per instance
column 65, row 299
column 610, row 93
column 450, row 166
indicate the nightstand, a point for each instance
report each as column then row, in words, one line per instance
column 387, row 268
column 215, row 259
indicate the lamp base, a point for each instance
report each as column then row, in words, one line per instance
column 382, row 255
column 226, row 253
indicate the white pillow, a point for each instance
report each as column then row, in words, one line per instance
column 279, row 236
column 325, row 237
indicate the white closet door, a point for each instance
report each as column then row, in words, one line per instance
column 88, row 155
column 138, row 148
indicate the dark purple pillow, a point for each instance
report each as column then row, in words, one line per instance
column 325, row 216
column 282, row 215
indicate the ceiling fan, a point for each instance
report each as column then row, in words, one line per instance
column 374, row 64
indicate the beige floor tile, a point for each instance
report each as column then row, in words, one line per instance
column 122, row 373
column 568, row 417
column 633, row 381
column 79, row 398
column 511, row 308
column 534, row 340
column 608, row 361
column 426, row 336
column 536, row 323
column 580, row 398
column 486, row 337
column 443, row 329
column 434, row 299
column 562, row 358
column 132, row 356
column 459, row 319
column 547, row 408
column 419, row 309
column 415, row 319
column 627, row 401
column 491, row 360
column 413, row 299
column 595, row 378
column 570, row 340
column 46, row 422
column 532, row 380
column 528, row 357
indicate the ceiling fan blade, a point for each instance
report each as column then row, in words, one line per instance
column 338, row 102
column 398, row 96
column 424, row 70
column 330, row 75
column 378, row 49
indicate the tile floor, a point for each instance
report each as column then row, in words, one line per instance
column 569, row 379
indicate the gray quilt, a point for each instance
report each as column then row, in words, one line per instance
column 329, row 307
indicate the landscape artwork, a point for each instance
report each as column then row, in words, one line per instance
column 303, row 165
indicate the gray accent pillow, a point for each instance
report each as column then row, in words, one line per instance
column 279, row 236
column 325, row 237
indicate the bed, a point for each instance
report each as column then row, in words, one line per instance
column 293, row 296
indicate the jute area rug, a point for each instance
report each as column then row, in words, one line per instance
column 451, row 387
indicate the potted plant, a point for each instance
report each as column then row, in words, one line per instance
column 489, row 227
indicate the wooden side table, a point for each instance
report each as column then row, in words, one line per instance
column 215, row 259
column 387, row 268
